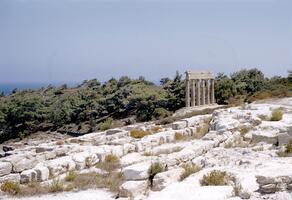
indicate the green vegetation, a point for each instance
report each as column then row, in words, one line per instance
column 277, row 115
column 215, row 177
column 188, row 170
column 154, row 169
column 287, row 150
column 93, row 106
column 10, row 187
column 110, row 163
column 70, row 176
column 56, row 186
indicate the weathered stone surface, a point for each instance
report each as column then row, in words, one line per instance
column 284, row 138
column 137, row 171
column 113, row 131
column 22, row 162
column 260, row 136
column 60, row 165
column 5, row 168
column 10, row 177
column 164, row 179
column 28, row 176
column 42, row 149
column 133, row 188
column 84, row 160
column 179, row 125
column 269, row 188
column 42, row 173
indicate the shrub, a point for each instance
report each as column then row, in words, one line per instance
column 277, row 115
column 161, row 113
column 287, row 151
column 244, row 130
column 70, row 176
column 139, row 133
column 112, row 181
column 178, row 136
column 107, row 124
column 154, row 169
column 215, row 177
column 10, row 187
column 110, row 163
column 56, row 186
column 188, row 170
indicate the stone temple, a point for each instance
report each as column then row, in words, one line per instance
column 199, row 89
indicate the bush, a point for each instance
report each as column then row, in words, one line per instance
column 56, row 186
column 107, row 124
column 10, row 187
column 215, row 177
column 154, row 169
column 70, row 176
column 178, row 136
column 161, row 113
column 188, row 170
column 110, row 163
column 277, row 114
column 287, row 151
column 139, row 133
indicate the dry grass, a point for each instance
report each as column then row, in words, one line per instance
column 112, row 181
column 155, row 129
column 215, row 177
column 110, row 163
column 236, row 143
column 60, row 142
column 277, row 115
column 70, row 176
column 287, row 151
column 178, row 136
column 10, row 187
column 135, row 133
column 263, row 117
column 244, row 130
column 56, row 186
column 33, row 188
column 154, row 169
column 188, row 170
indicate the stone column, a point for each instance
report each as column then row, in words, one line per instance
column 203, row 91
column 208, row 91
column 212, row 92
column 198, row 99
column 187, row 98
column 193, row 93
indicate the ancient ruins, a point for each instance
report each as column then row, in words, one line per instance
column 199, row 88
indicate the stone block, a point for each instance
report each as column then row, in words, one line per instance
column 5, row 168
column 28, row 176
column 133, row 188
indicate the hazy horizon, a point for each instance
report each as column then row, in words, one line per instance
column 67, row 41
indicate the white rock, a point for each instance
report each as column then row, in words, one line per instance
column 10, row 177
column 132, row 158
column 42, row 173
column 164, row 179
column 284, row 138
column 179, row 125
column 133, row 188
column 137, row 171
column 60, row 165
column 28, row 176
column 5, row 168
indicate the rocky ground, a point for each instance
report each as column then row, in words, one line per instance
column 234, row 153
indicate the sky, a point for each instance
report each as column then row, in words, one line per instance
column 74, row 40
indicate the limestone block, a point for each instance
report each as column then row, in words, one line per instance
column 112, row 131
column 164, row 179
column 22, row 162
column 5, row 168
column 132, row 158
column 84, row 160
column 179, row 125
column 128, row 148
column 269, row 188
column 284, row 138
column 137, row 171
column 10, row 177
column 28, row 176
column 42, row 173
column 260, row 136
column 60, row 165
column 133, row 188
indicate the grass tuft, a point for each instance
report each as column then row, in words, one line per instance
column 215, row 177
column 10, row 187
column 139, row 133
column 188, row 170
column 277, row 115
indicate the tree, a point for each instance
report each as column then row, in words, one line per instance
column 248, row 81
column 224, row 88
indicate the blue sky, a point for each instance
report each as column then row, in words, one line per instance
column 73, row 40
